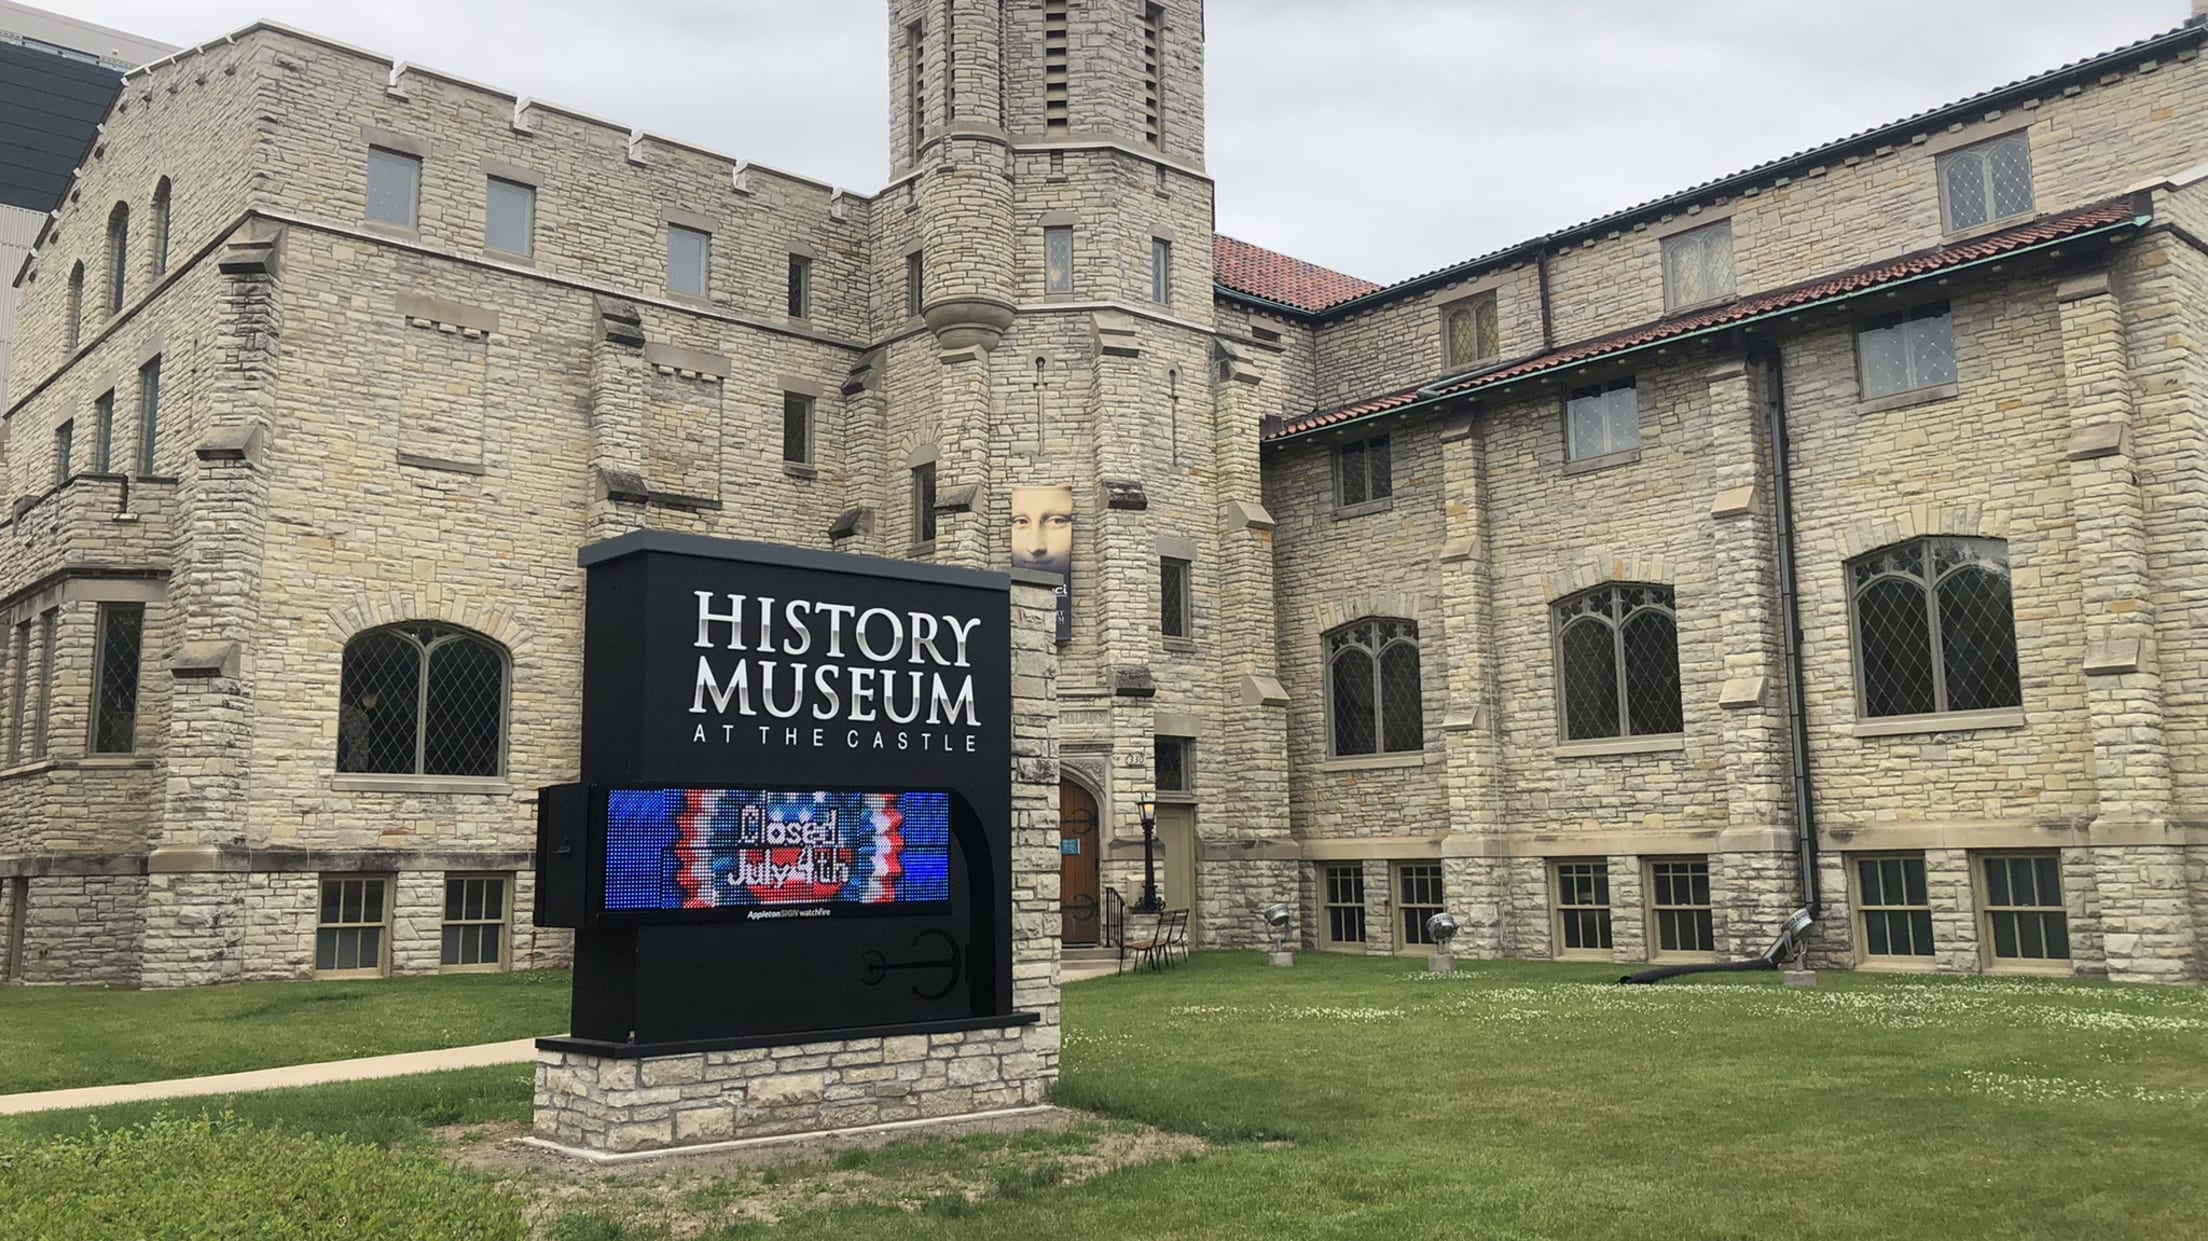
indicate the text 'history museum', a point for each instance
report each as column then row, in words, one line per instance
column 1828, row 534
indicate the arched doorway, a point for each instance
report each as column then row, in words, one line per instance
column 1080, row 845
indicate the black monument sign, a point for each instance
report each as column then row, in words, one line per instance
column 794, row 814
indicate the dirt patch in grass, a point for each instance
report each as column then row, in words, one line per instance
column 952, row 1167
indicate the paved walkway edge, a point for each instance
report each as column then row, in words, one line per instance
column 519, row 1051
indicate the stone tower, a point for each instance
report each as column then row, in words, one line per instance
column 1044, row 278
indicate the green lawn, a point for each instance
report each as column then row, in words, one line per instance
column 54, row 1038
column 1356, row 1098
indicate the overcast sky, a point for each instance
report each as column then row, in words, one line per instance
column 1380, row 137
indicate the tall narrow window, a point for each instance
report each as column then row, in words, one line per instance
column 1153, row 74
column 1172, row 764
column 1893, row 914
column 1698, row 266
column 1364, row 472
column 118, row 256
column 1988, row 182
column 1417, row 898
column 1935, row 630
column 1374, row 692
column 1057, row 53
column 1175, row 599
column 1473, row 333
column 103, row 432
column 1601, row 420
column 1058, row 260
column 923, row 503
column 801, row 287
column 19, row 705
column 1582, row 908
column 1345, row 904
column 158, row 243
column 149, row 413
column 348, row 937
column 422, row 699
column 916, row 89
column 2024, row 923
column 394, row 187
column 797, row 429
column 1161, row 271
column 1617, row 664
column 122, row 628
column 1907, row 351
column 73, row 331
column 687, row 250
column 1679, row 897
column 475, row 923
column 509, row 216
column 916, row 289
column 43, row 689
column 65, row 443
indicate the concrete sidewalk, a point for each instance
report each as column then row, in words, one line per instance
column 519, row 1051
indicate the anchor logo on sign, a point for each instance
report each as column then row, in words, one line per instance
column 879, row 967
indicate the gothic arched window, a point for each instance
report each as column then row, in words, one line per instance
column 425, row 699
column 1934, row 628
column 118, row 256
column 1617, row 663
column 73, row 330
column 1373, row 692
column 159, row 242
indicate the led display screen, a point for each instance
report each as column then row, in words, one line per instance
column 675, row 850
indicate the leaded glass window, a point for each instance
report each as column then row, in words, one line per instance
column 1698, row 266
column 1364, row 471
column 797, row 429
column 1935, row 630
column 916, row 282
column 1474, row 333
column 923, row 503
column 2024, row 918
column 1172, row 761
column 1374, row 703
column 1907, row 351
column 1582, row 907
column 1058, row 260
column 1602, row 419
column 1892, row 910
column 1175, row 598
column 1988, row 182
column 122, row 628
column 1161, row 271
column 1617, row 663
column 422, row 699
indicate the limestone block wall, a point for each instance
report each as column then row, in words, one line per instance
column 80, row 928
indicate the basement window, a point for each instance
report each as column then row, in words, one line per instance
column 1345, row 905
column 1582, row 910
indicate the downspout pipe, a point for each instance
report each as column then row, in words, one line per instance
column 1790, row 620
column 1548, row 308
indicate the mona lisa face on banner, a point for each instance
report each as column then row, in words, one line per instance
column 1042, row 541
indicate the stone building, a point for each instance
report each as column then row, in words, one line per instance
column 1827, row 534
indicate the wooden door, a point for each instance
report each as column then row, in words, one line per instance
column 1078, row 889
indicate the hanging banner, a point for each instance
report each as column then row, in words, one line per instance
column 1042, row 540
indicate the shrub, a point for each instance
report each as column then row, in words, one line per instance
column 182, row 1180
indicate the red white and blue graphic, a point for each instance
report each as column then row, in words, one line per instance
column 678, row 849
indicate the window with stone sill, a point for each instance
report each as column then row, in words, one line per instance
column 1906, row 352
column 19, row 700
column 1364, row 471
column 923, row 503
column 65, row 446
column 1161, row 271
column 1698, row 266
column 687, row 253
column 118, row 256
column 1617, row 663
column 1417, row 898
column 1374, row 700
column 1934, row 628
column 352, row 926
column 158, row 251
column 1176, row 606
column 916, row 276
column 797, row 429
column 801, row 287
column 1893, row 913
column 149, row 413
column 103, row 432
column 394, row 188
column 2022, row 921
column 1679, row 899
column 1582, row 912
column 509, row 216
column 423, row 699
column 1602, row 419
column 1472, row 333
column 474, row 930
column 115, row 663
column 1985, row 183
column 1174, row 764
column 1345, row 904
column 1058, row 260
column 73, row 330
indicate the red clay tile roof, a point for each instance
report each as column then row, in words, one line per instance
column 2045, row 229
column 1260, row 272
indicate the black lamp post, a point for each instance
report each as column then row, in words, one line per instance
column 1149, row 904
